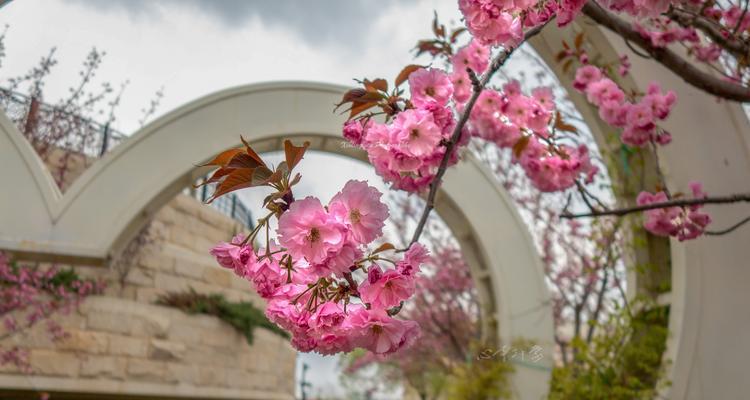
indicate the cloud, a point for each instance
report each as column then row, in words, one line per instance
column 316, row 22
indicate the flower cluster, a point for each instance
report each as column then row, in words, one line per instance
column 309, row 278
column 511, row 119
column 640, row 8
column 493, row 22
column 684, row 223
column 408, row 150
column 31, row 295
column 638, row 119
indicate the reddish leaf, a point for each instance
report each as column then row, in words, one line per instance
column 377, row 84
column 561, row 125
column 561, row 55
column 223, row 158
column 456, row 33
column 404, row 74
column 384, row 247
column 520, row 146
column 359, row 108
column 579, row 41
column 294, row 153
column 243, row 160
column 252, row 152
column 237, row 179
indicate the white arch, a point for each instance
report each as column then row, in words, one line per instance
column 112, row 198
column 707, row 348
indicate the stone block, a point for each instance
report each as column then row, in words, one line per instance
column 140, row 277
column 218, row 276
column 109, row 322
column 85, row 341
column 103, row 367
column 166, row 351
column 128, row 346
column 146, row 370
column 54, row 363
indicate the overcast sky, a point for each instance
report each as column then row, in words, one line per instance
column 192, row 48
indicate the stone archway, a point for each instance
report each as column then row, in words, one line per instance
column 114, row 197
column 706, row 349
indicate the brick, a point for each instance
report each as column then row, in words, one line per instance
column 103, row 367
column 109, row 322
column 128, row 346
column 85, row 341
column 140, row 277
column 160, row 261
column 146, row 370
column 53, row 363
column 182, row 373
column 189, row 269
column 218, row 276
column 166, row 350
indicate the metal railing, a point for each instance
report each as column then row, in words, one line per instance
column 64, row 130
column 229, row 205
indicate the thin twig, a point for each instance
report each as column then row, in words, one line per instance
column 728, row 230
column 497, row 62
column 735, row 198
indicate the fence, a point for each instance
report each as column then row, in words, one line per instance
column 49, row 126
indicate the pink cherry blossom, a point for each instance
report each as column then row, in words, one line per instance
column 430, row 85
column 685, row 223
column 490, row 24
column 386, row 289
column 358, row 206
column 233, row 255
column 474, row 56
column 307, row 229
column 416, row 132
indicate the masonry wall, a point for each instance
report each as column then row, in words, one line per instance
column 121, row 343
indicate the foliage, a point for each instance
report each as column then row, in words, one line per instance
column 30, row 294
column 623, row 362
column 242, row 316
column 480, row 379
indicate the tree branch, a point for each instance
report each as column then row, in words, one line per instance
column 478, row 86
column 668, row 58
column 735, row 198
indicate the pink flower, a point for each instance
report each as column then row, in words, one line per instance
column 358, row 206
column 382, row 334
column 416, row 132
column 461, row 86
column 604, row 90
column 354, row 131
column 414, row 257
column 586, row 75
column 233, row 255
column 685, row 223
column 569, row 10
column 474, row 56
column 328, row 315
column 307, row 229
column 490, row 24
column 385, row 289
column 430, row 85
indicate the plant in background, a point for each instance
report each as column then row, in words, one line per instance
column 242, row 316
column 623, row 362
column 31, row 294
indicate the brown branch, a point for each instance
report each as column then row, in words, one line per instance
column 735, row 198
column 728, row 230
column 478, row 86
column 680, row 66
column 686, row 19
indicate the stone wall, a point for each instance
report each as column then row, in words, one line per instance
column 122, row 344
